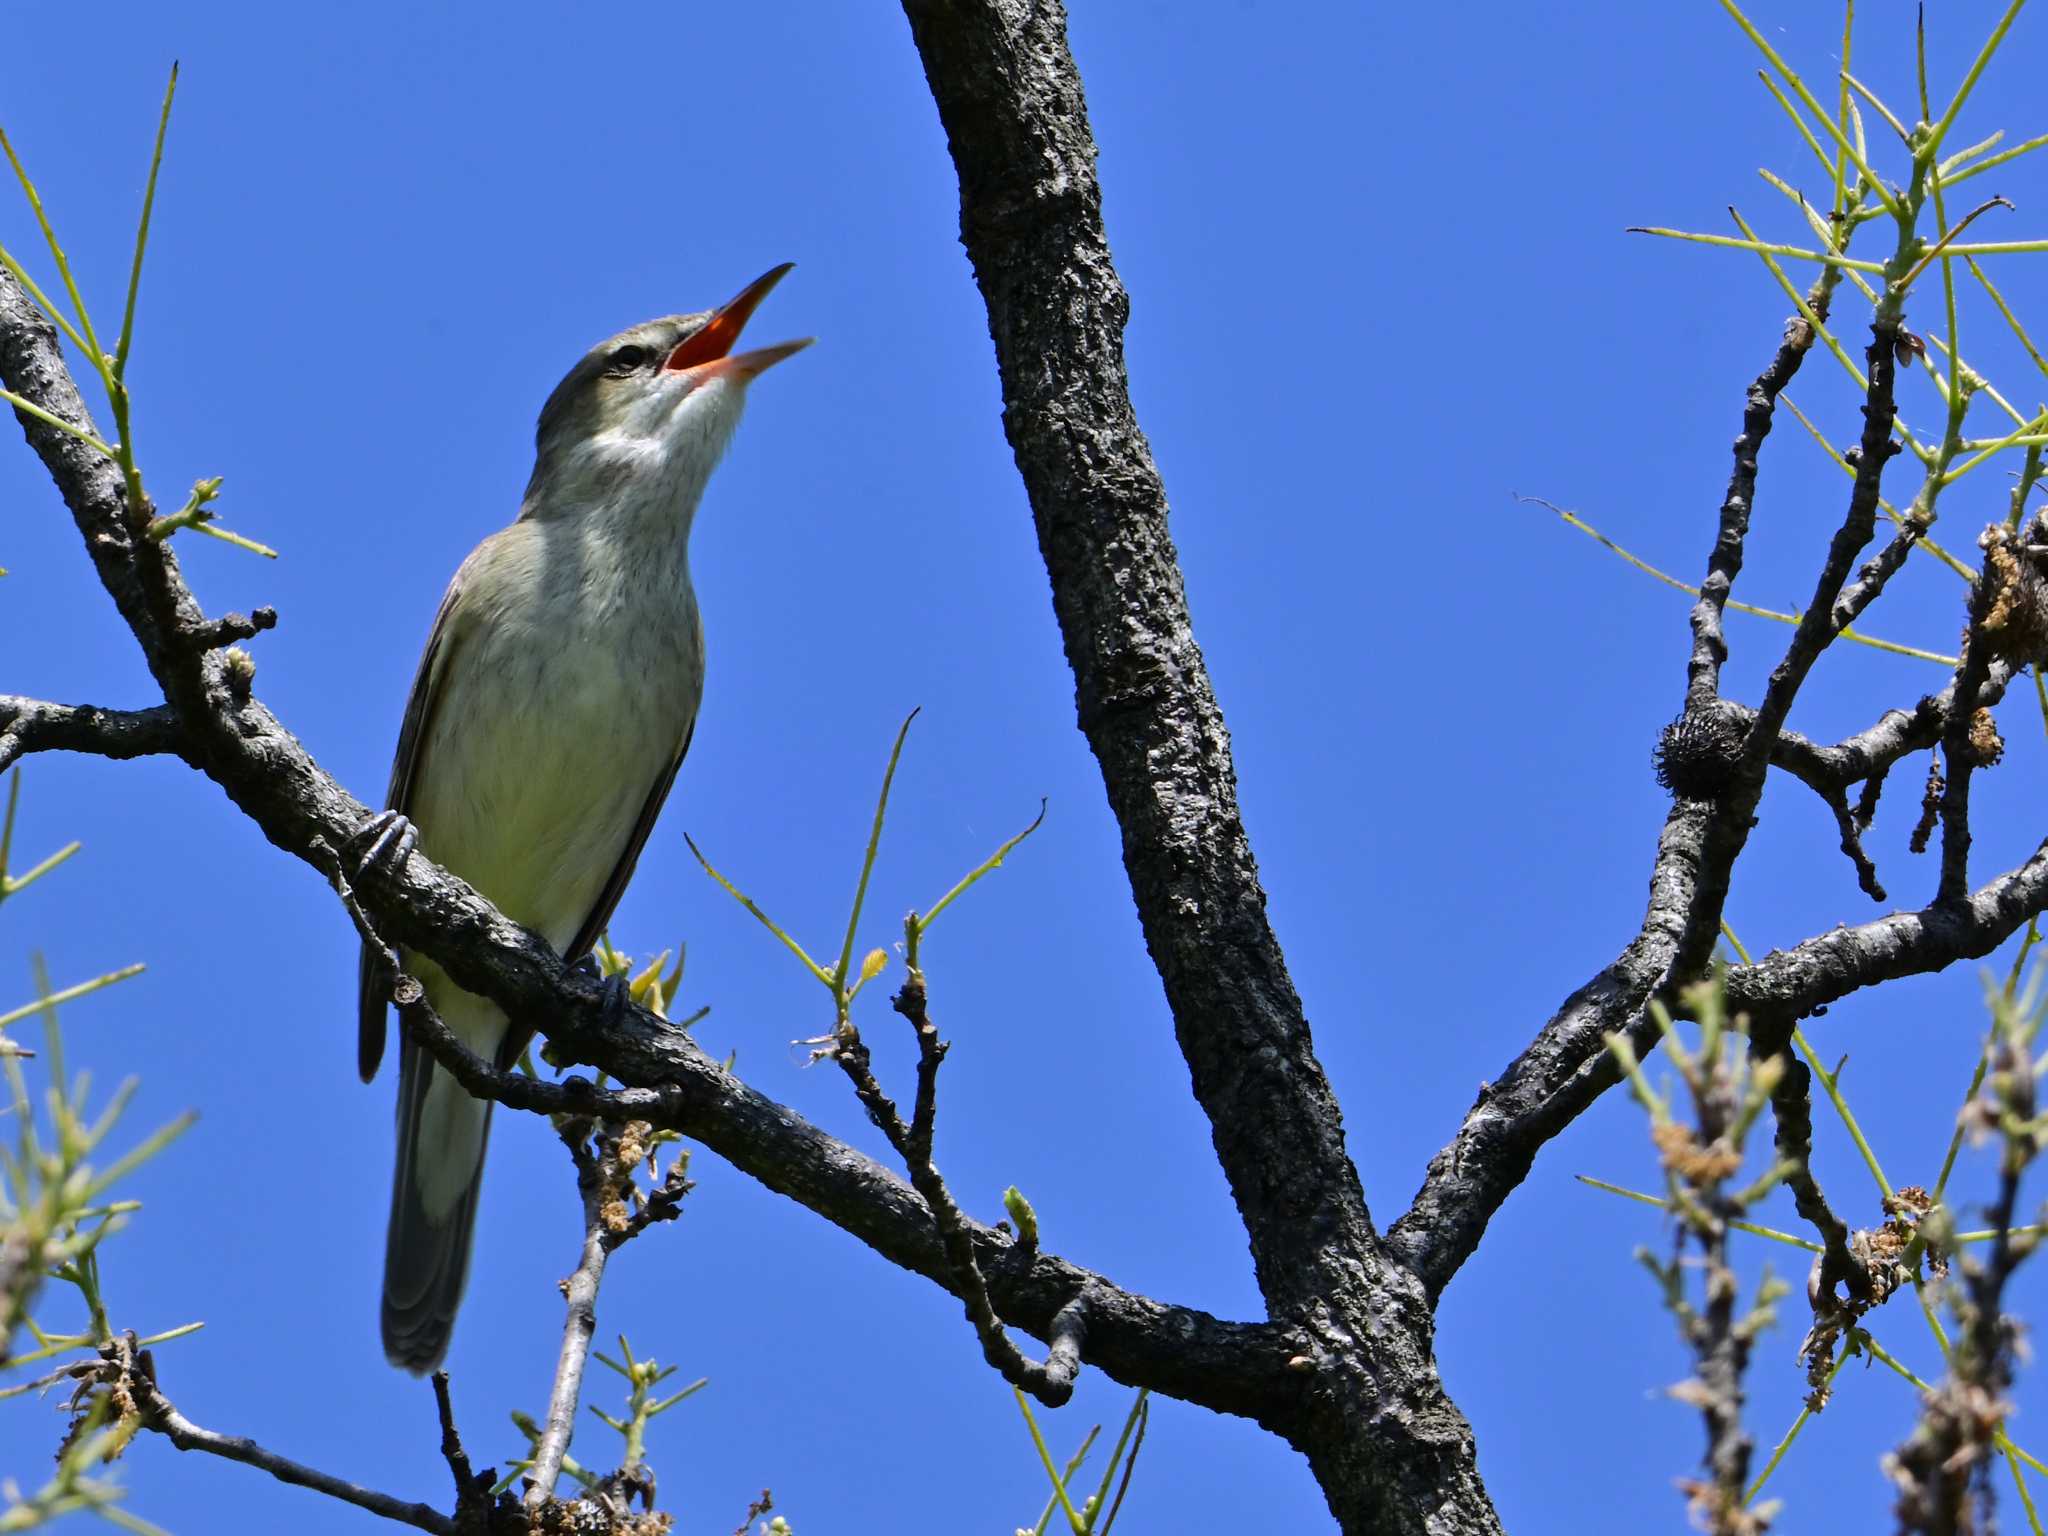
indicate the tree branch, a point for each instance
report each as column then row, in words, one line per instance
column 1871, row 753
column 1010, row 99
column 1052, row 1383
column 1011, row 102
column 605, row 1156
column 1554, row 1080
column 1867, row 757
column 1236, row 1368
column 1960, row 750
column 1788, row 985
column 1567, row 1066
column 1724, row 562
column 472, row 1488
column 1555, row 1077
column 31, row 725
column 139, row 1373
column 596, row 1184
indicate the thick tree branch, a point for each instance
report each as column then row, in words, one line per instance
column 1390, row 1450
column 1232, row 1367
column 1011, row 102
column 1555, row 1077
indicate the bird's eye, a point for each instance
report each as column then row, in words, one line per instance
column 627, row 359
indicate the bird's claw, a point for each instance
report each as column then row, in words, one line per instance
column 382, row 844
column 614, row 992
column 615, row 996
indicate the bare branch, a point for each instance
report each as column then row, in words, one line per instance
column 138, row 1372
column 1016, row 122
column 1724, row 563
column 1792, row 1106
column 1870, row 754
column 578, row 1327
column 604, row 1171
column 1788, row 985
column 1567, row 1066
column 230, row 627
column 472, row 1490
column 1051, row 1383
column 31, row 725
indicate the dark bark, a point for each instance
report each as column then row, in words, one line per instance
column 30, row 725
column 1391, row 1451
column 1724, row 561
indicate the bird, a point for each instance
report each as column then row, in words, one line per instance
column 553, row 705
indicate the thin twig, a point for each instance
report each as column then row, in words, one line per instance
column 579, row 1324
column 1051, row 1383
column 160, row 1416
column 1724, row 564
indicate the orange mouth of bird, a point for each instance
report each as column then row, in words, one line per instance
column 708, row 352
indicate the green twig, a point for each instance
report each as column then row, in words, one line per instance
column 30, row 408
column 764, row 919
column 867, row 863
column 156, row 160
column 1650, row 570
column 994, row 861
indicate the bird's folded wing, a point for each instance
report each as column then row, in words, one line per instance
column 443, row 642
column 615, row 887
column 517, row 1039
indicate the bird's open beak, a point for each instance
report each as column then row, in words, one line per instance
column 707, row 353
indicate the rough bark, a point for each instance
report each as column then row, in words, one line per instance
column 1390, row 1449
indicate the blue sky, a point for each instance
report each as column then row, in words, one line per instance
column 1379, row 284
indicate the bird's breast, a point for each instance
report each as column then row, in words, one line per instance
column 561, row 708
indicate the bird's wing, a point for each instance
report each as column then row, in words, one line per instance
column 615, row 887
column 518, row 1038
column 371, row 1002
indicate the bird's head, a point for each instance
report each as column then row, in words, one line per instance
column 654, row 406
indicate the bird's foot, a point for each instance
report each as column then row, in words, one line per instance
column 615, row 993
column 616, row 998
column 382, row 844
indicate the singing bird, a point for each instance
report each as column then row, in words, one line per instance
column 552, row 708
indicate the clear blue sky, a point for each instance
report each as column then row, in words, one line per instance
column 1379, row 283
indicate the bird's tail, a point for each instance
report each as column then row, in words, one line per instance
column 441, row 1136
